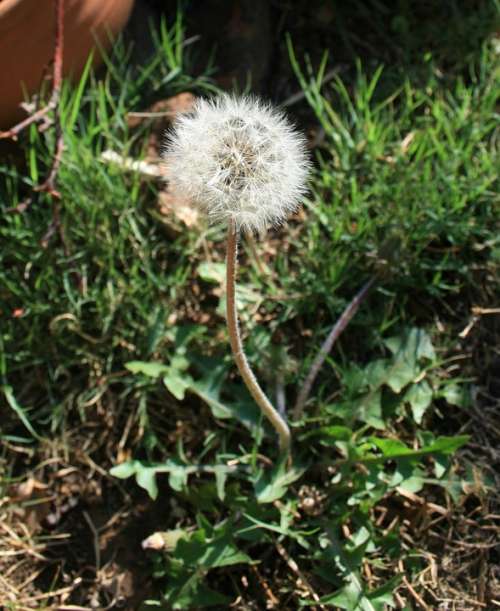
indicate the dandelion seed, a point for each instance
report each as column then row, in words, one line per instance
column 241, row 161
column 238, row 159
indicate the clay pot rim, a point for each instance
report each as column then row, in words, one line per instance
column 12, row 13
column 7, row 5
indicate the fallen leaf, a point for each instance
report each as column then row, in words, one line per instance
column 163, row 111
column 177, row 209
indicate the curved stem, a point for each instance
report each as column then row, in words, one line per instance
column 257, row 393
column 327, row 346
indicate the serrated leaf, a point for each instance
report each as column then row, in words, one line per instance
column 375, row 373
column 391, row 447
column 222, row 552
column 270, row 487
column 186, row 591
column 178, row 473
column 146, row 478
column 177, row 383
column 414, row 484
column 209, row 388
column 183, row 334
column 414, row 343
column 384, row 594
column 330, row 435
column 408, row 350
column 246, row 298
column 179, row 362
column 369, row 409
column 448, row 445
column 354, row 378
column 366, row 408
column 124, row 469
column 208, row 552
column 210, row 395
column 214, row 273
column 441, row 464
column 354, row 592
column 152, row 370
column 346, row 598
column 419, row 396
column 401, row 373
column 220, row 482
column 456, row 395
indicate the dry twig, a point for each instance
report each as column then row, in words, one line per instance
column 327, row 346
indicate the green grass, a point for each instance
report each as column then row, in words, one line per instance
column 124, row 318
column 407, row 187
column 106, row 289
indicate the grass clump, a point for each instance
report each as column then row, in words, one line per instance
column 97, row 288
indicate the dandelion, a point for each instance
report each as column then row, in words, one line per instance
column 240, row 161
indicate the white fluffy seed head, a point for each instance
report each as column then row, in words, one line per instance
column 239, row 159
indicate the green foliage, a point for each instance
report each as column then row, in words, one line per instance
column 271, row 486
column 353, row 595
column 98, row 291
column 364, row 468
column 207, row 386
column 194, row 554
column 405, row 188
column 145, row 474
column 387, row 385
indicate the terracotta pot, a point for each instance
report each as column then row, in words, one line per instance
column 27, row 29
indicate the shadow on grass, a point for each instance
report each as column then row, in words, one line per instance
column 401, row 34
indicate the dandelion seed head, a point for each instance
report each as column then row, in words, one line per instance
column 239, row 159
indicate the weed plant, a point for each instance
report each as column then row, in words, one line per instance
column 126, row 315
